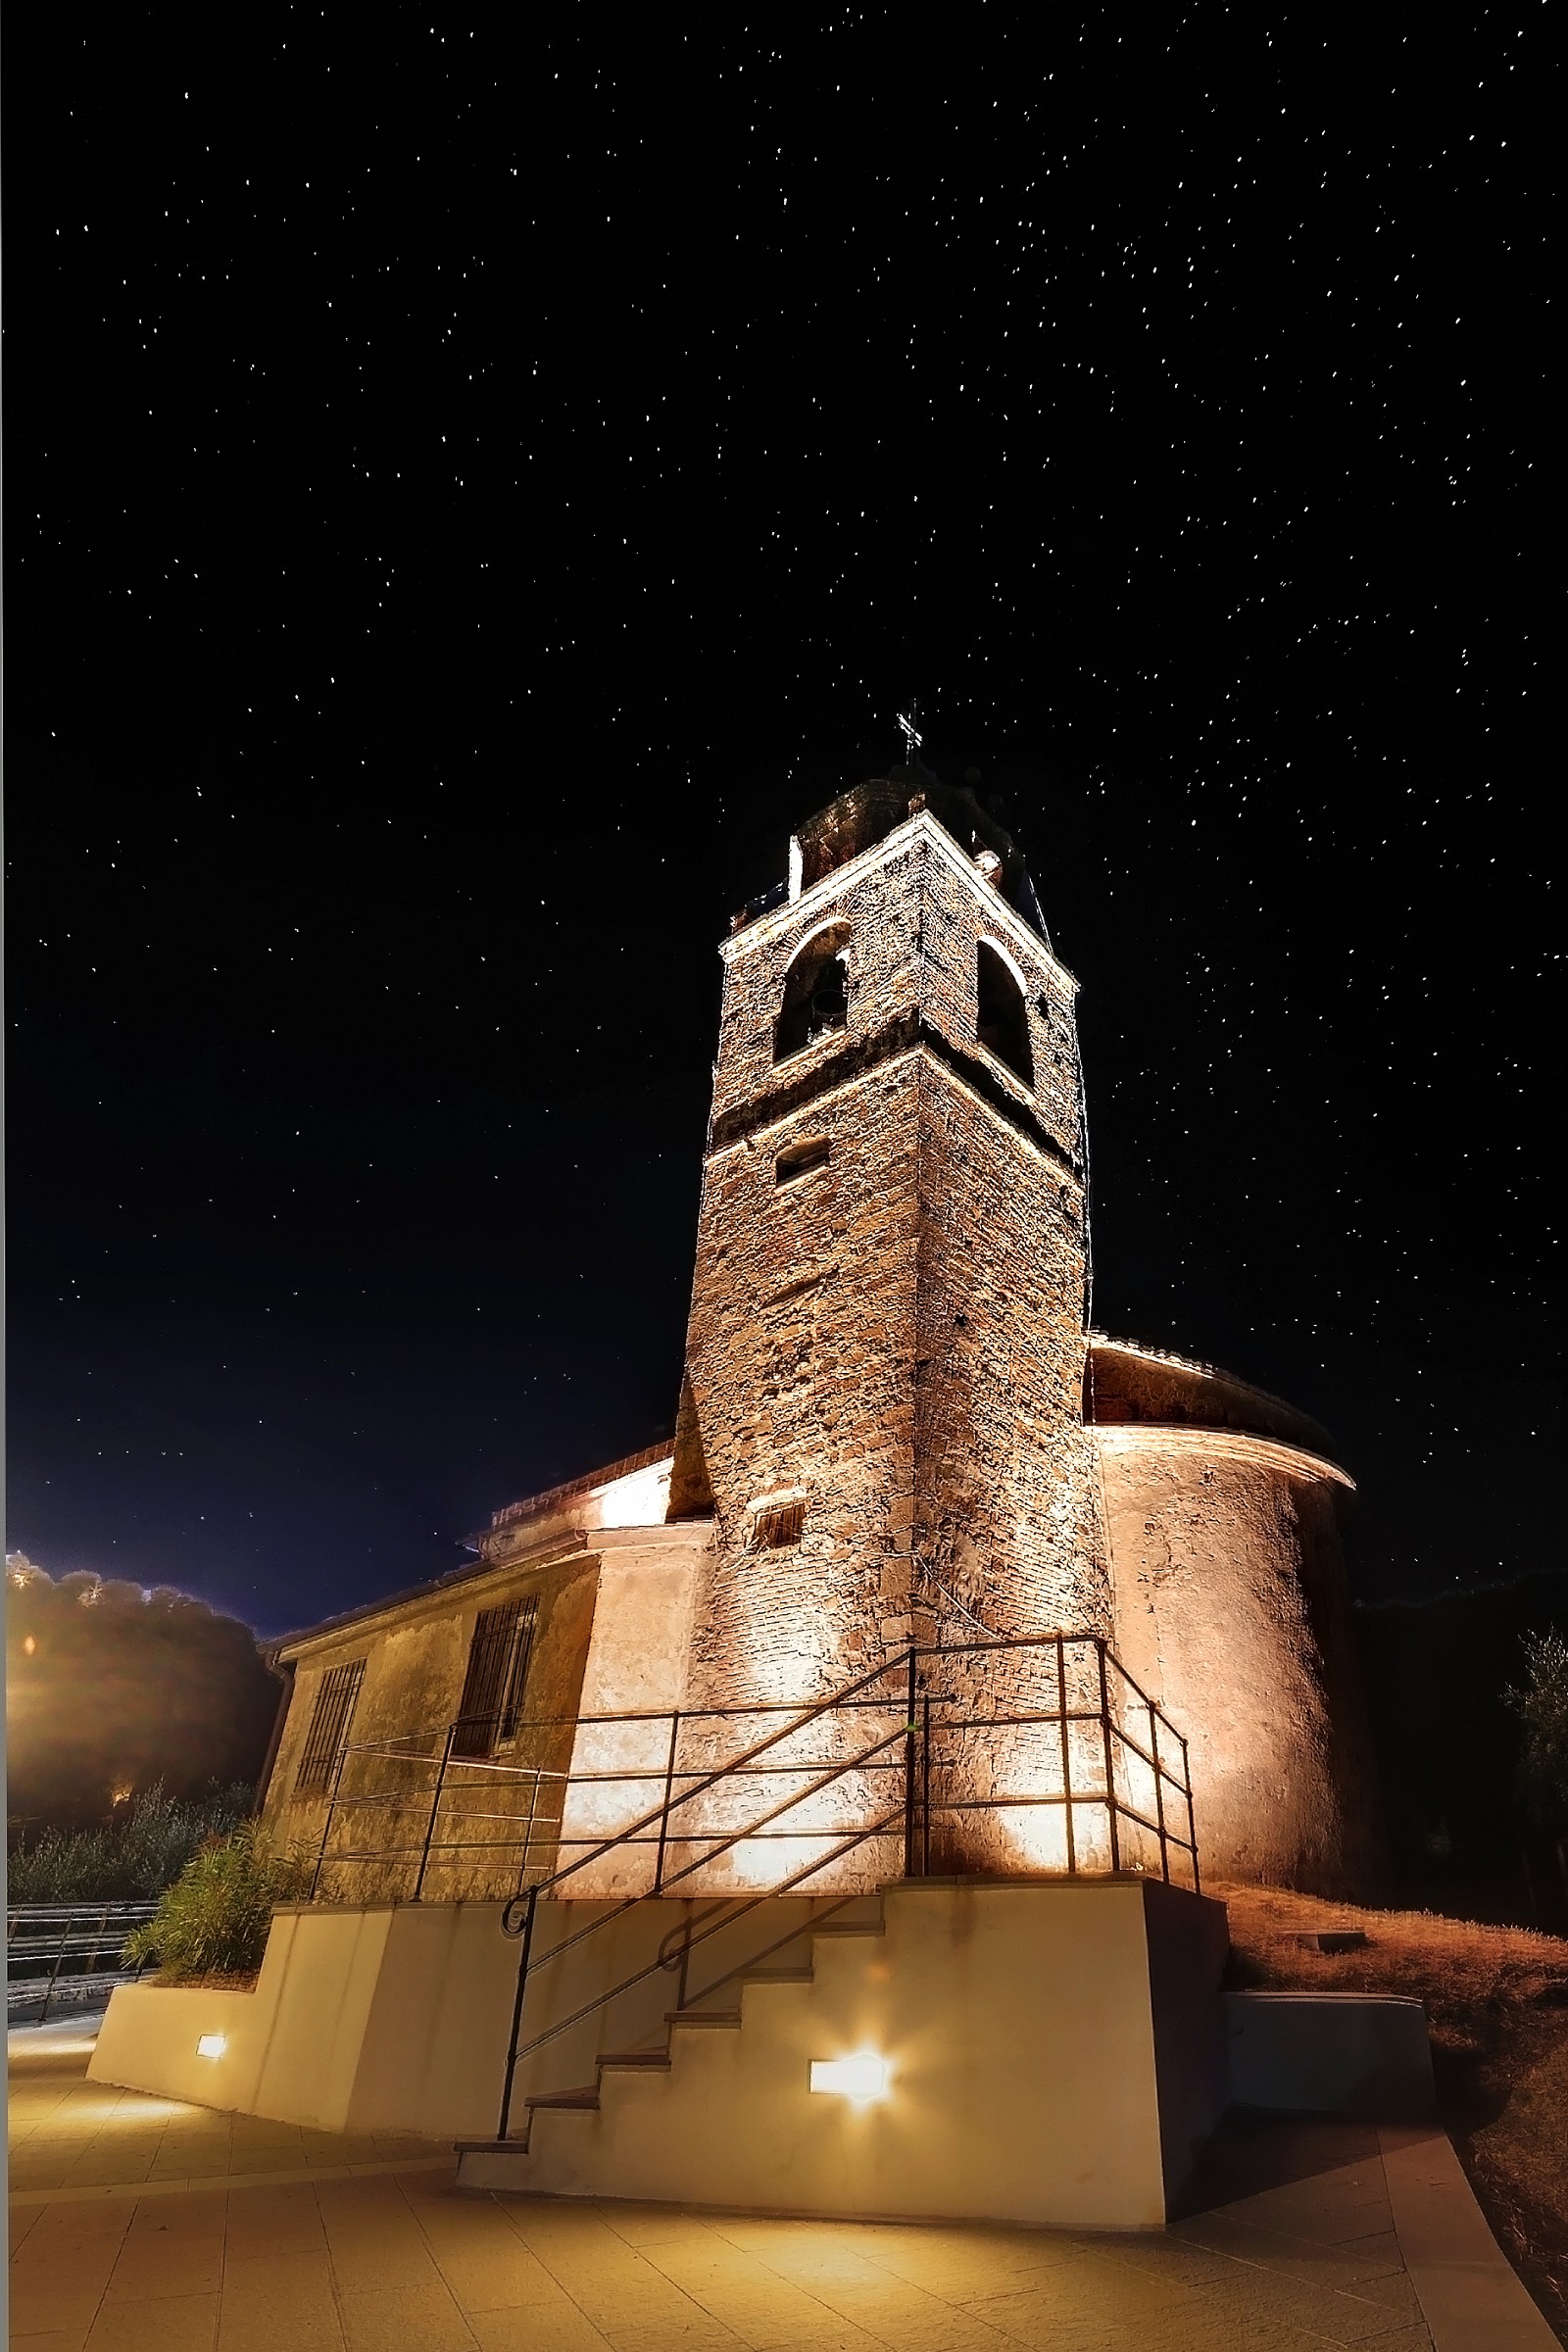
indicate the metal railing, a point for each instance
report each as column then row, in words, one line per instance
column 55, row 1953
column 1033, row 1755
column 1085, row 1748
column 942, row 1797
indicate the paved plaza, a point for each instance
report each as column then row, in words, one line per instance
column 141, row 2225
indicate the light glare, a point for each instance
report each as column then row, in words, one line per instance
column 862, row 2077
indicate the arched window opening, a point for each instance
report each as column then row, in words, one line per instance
column 815, row 993
column 1003, row 1025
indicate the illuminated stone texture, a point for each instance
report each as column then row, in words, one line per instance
column 893, row 1340
column 1224, row 1515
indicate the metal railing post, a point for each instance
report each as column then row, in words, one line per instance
column 436, row 1807
column 99, row 1933
column 908, row 1772
column 925, row 1787
column 54, row 1973
column 1160, row 1792
column 527, row 1827
column 1191, row 1826
column 1066, row 1753
column 517, row 2012
column 670, row 1785
column 326, row 1826
column 1110, row 1768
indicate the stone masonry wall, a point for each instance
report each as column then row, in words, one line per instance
column 918, row 910
column 895, row 1340
column 1007, row 1516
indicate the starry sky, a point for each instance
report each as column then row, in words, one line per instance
column 472, row 489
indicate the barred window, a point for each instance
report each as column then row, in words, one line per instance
column 330, row 1728
column 497, row 1668
column 778, row 1527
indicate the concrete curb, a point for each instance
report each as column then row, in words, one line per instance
column 195, row 2181
column 1470, row 2296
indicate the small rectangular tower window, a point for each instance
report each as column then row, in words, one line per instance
column 779, row 1526
column 801, row 1158
column 330, row 1719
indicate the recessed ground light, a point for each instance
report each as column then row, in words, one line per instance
column 212, row 2045
column 861, row 2078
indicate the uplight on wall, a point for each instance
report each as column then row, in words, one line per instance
column 861, row 2078
column 212, row 2045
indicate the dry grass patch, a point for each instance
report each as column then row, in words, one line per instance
column 1496, row 2003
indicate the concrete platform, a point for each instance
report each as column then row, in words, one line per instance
column 1298, row 2234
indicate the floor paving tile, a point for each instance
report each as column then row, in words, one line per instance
column 531, row 2330
column 1292, row 2250
column 403, row 2319
column 167, row 2324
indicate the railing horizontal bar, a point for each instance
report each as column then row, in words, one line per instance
column 745, row 1904
column 673, row 1878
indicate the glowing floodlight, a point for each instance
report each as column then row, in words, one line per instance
column 862, row 2077
column 212, row 2045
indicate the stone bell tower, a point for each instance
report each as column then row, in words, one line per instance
column 883, row 1401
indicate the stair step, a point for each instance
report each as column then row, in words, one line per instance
column 643, row 2061
column 586, row 2095
column 851, row 1927
column 777, row 1975
column 701, row 2016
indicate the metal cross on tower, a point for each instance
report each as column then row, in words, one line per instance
column 911, row 734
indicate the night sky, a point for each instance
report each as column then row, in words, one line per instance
column 472, row 490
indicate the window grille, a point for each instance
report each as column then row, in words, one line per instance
column 779, row 1526
column 330, row 1728
column 497, row 1668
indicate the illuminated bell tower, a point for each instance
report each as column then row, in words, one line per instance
column 883, row 1401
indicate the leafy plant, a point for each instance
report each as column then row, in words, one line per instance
column 214, row 1920
column 1543, row 1707
column 141, row 1852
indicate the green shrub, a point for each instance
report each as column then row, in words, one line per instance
column 139, row 1853
column 1543, row 1707
column 214, row 1920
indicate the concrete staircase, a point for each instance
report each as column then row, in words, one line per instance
column 1018, row 2022
column 588, row 2098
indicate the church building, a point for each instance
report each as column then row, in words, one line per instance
column 895, row 1428
column 820, row 1813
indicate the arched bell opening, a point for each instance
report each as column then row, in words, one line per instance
column 816, row 992
column 1002, row 1021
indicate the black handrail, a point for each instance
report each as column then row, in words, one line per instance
column 915, row 1733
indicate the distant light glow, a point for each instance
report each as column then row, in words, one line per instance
column 212, row 2045
column 861, row 2078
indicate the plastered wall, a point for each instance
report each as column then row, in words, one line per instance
column 1231, row 1612
column 1055, row 2057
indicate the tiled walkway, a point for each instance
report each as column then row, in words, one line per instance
column 1295, row 2248
column 69, row 2134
